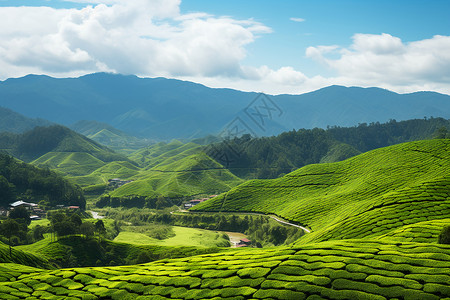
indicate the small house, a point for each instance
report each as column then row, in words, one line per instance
column 20, row 203
column 243, row 243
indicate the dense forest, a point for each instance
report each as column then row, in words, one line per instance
column 22, row 181
column 271, row 157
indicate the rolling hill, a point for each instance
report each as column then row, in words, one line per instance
column 177, row 176
column 374, row 219
column 357, row 269
column 156, row 108
column 39, row 141
column 109, row 136
column 368, row 195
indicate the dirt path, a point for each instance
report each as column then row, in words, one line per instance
column 235, row 237
column 95, row 215
column 287, row 223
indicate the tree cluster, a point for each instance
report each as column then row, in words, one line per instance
column 65, row 223
column 262, row 230
column 271, row 157
column 22, row 181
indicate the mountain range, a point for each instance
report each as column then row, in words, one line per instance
column 164, row 109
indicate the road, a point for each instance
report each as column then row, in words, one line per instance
column 287, row 223
column 257, row 214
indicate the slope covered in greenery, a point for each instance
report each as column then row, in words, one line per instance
column 78, row 251
column 158, row 153
column 367, row 195
column 41, row 140
column 269, row 157
column 19, row 257
column 10, row 121
column 178, row 177
column 20, row 180
column 357, row 269
column 108, row 135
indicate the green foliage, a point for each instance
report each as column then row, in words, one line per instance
column 368, row 195
column 23, row 181
column 270, row 157
column 262, row 230
column 20, row 214
column 348, row 269
column 82, row 251
column 444, row 236
column 173, row 179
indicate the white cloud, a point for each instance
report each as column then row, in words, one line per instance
column 385, row 61
column 144, row 37
column 153, row 38
column 299, row 20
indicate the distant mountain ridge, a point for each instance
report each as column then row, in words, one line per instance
column 163, row 109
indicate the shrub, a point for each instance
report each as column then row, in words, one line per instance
column 444, row 236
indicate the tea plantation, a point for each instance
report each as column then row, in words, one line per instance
column 374, row 219
column 352, row 269
column 368, row 195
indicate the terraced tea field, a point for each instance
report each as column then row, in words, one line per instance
column 368, row 195
column 352, row 269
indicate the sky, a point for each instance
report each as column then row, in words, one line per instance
column 276, row 47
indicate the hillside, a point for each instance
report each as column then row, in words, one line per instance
column 11, row 121
column 59, row 139
column 20, row 181
column 358, row 269
column 73, row 251
column 17, row 258
column 155, row 108
column 109, row 136
column 158, row 153
column 182, row 175
column 270, row 157
column 365, row 196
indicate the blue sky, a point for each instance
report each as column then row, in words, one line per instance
column 260, row 45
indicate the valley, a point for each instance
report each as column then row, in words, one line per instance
column 340, row 213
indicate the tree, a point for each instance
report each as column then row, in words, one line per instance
column 10, row 228
column 6, row 191
column 100, row 228
column 87, row 229
column 65, row 227
column 20, row 214
column 441, row 133
column 444, row 236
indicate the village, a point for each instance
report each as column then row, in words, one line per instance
column 36, row 213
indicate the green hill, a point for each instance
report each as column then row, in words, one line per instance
column 24, row 258
column 41, row 140
column 22, row 181
column 177, row 177
column 153, row 155
column 108, row 135
column 358, row 269
column 365, row 196
column 73, row 251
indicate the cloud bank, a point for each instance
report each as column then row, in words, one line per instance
column 153, row 38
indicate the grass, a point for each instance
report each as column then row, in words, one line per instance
column 192, row 175
column 350, row 269
column 368, row 195
column 79, row 251
column 21, row 257
column 375, row 220
column 170, row 170
column 183, row 237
